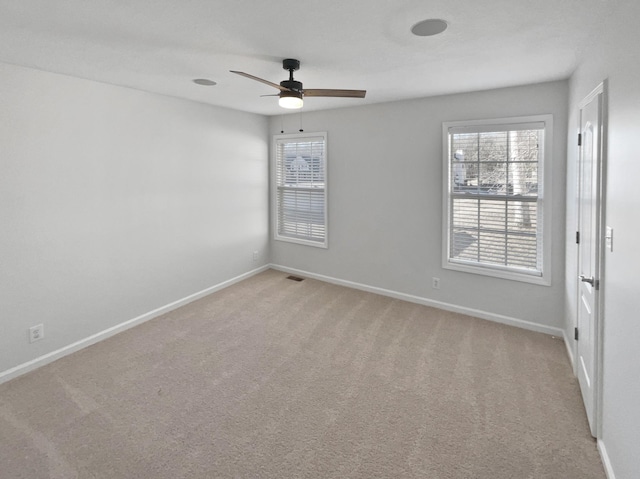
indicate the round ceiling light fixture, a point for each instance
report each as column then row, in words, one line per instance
column 204, row 82
column 429, row 28
column 291, row 100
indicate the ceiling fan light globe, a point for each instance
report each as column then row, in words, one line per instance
column 290, row 102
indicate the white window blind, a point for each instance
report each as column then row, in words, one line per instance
column 300, row 188
column 494, row 218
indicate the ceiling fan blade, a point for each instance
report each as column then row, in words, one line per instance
column 336, row 93
column 266, row 82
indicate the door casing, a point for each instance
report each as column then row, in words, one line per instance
column 597, row 352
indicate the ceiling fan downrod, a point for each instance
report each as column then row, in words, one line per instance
column 291, row 65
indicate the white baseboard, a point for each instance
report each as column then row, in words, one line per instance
column 606, row 462
column 107, row 333
column 498, row 318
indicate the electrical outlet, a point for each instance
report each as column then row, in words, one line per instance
column 36, row 333
column 255, row 256
column 436, row 283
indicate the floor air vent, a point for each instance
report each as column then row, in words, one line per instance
column 295, row 278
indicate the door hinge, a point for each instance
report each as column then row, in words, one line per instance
column 579, row 139
column 577, row 237
column 575, row 333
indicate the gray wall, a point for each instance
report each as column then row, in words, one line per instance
column 115, row 202
column 385, row 200
column 614, row 56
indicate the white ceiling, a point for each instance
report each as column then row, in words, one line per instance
column 161, row 45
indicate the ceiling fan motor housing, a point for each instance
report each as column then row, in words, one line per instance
column 292, row 85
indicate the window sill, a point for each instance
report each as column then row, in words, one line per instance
column 304, row 242
column 544, row 280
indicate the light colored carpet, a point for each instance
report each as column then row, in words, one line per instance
column 271, row 378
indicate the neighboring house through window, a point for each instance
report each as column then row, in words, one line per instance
column 497, row 197
column 300, row 200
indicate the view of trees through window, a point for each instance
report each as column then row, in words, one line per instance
column 494, row 192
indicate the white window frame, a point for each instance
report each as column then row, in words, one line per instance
column 544, row 202
column 275, row 189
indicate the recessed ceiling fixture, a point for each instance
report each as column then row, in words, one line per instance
column 204, row 82
column 428, row 28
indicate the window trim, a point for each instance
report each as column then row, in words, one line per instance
column 544, row 201
column 274, row 189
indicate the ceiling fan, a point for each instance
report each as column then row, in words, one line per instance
column 291, row 91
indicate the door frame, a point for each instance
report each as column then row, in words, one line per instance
column 601, row 89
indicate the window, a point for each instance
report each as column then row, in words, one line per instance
column 495, row 220
column 300, row 188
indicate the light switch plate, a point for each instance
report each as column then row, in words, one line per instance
column 608, row 238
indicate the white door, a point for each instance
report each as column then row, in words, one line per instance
column 589, row 230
